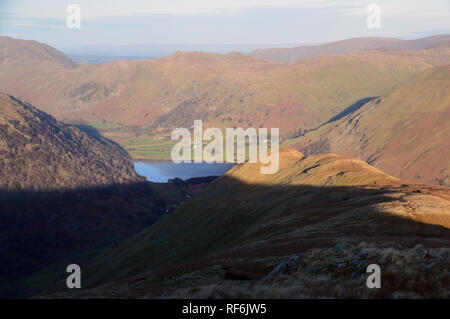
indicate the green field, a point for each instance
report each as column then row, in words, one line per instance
column 143, row 146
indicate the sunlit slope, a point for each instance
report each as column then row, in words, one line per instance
column 405, row 133
column 309, row 202
column 37, row 152
column 29, row 69
column 25, row 53
column 222, row 90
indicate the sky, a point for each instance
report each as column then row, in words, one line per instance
column 217, row 23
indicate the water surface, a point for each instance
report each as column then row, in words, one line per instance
column 162, row 171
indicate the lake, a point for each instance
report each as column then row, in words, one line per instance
column 162, row 171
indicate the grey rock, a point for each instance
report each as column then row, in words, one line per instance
column 285, row 267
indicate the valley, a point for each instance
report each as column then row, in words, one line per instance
column 322, row 210
column 138, row 103
column 363, row 172
column 62, row 188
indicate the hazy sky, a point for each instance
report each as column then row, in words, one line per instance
column 123, row 22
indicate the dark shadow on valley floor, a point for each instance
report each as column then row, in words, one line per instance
column 234, row 226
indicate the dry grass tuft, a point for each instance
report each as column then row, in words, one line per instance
column 340, row 272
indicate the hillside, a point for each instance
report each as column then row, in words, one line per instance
column 244, row 224
column 405, row 133
column 38, row 152
column 349, row 45
column 222, row 90
column 26, row 53
column 59, row 190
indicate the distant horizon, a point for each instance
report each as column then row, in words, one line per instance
column 156, row 50
column 244, row 24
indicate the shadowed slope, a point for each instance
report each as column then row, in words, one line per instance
column 62, row 192
column 244, row 220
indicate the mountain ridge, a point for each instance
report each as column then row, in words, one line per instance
column 349, row 45
column 223, row 90
column 13, row 50
column 405, row 132
column 245, row 220
column 37, row 151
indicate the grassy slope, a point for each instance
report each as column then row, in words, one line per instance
column 405, row 133
column 223, row 90
column 245, row 219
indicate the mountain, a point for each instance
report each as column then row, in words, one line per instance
column 26, row 53
column 405, row 133
column 324, row 209
column 37, row 152
column 350, row 45
column 223, row 90
column 62, row 193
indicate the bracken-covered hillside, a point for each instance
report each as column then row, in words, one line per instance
column 244, row 224
column 405, row 133
column 38, row 152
